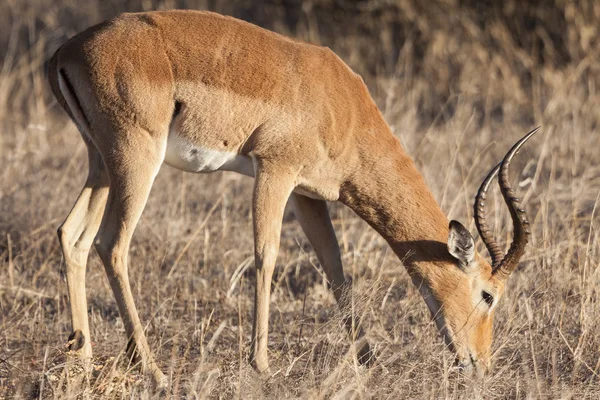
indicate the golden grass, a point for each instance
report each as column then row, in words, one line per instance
column 457, row 84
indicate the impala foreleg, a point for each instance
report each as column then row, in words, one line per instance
column 316, row 224
column 272, row 189
column 76, row 236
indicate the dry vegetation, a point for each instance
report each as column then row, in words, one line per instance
column 457, row 80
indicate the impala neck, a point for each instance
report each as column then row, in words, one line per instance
column 390, row 194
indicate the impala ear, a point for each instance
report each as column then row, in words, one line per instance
column 461, row 244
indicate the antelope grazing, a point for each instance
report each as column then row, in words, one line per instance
column 204, row 92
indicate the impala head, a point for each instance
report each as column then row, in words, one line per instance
column 462, row 293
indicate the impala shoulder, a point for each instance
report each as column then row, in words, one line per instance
column 339, row 63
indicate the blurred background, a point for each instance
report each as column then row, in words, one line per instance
column 502, row 60
column 457, row 80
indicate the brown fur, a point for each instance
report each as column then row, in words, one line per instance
column 296, row 110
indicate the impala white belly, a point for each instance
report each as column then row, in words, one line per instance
column 188, row 156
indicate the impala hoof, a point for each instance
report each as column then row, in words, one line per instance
column 365, row 355
column 161, row 385
column 76, row 340
column 261, row 367
column 131, row 350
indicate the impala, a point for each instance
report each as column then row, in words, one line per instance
column 204, row 92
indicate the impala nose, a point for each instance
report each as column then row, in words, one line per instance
column 481, row 368
column 472, row 365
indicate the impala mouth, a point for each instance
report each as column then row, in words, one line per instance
column 466, row 362
column 471, row 365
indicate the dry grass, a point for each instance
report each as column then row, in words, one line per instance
column 457, row 84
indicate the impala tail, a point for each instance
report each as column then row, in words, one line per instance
column 65, row 93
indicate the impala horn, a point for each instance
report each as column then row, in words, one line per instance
column 503, row 265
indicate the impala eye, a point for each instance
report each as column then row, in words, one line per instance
column 488, row 298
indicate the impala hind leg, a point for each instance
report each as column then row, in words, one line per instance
column 316, row 224
column 272, row 188
column 76, row 236
column 132, row 167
